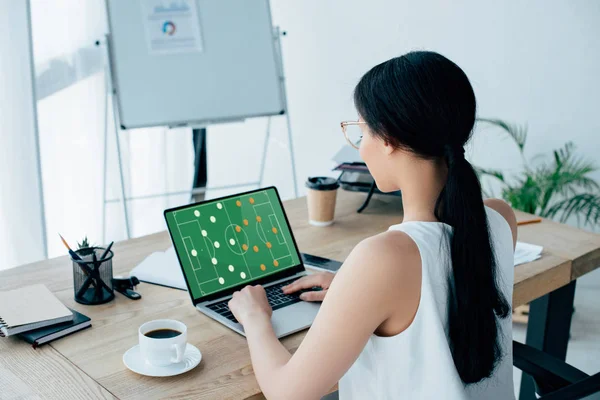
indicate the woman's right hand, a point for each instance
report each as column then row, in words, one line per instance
column 320, row 279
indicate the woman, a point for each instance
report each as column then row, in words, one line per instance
column 423, row 310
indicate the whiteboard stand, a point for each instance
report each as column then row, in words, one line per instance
column 111, row 92
column 277, row 33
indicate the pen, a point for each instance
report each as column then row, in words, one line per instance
column 529, row 221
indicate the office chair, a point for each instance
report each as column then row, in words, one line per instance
column 554, row 379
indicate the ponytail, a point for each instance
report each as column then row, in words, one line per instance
column 424, row 103
column 475, row 301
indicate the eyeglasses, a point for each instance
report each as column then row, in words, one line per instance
column 352, row 132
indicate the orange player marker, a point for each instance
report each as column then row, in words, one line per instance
column 269, row 245
column 238, row 228
column 255, row 248
column 274, row 230
column 246, row 222
column 258, row 218
column 238, row 203
column 251, row 200
column 245, row 247
column 263, row 267
column 276, row 263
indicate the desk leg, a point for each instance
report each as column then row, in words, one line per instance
column 548, row 329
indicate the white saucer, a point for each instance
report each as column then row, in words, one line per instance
column 134, row 361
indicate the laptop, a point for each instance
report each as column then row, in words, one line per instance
column 227, row 243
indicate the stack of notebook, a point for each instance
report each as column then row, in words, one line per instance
column 37, row 316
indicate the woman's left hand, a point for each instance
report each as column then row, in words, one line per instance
column 250, row 302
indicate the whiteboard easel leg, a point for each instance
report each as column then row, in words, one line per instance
column 291, row 146
column 264, row 154
column 105, row 159
column 277, row 33
column 121, row 175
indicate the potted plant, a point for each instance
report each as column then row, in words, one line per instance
column 85, row 248
column 557, row 187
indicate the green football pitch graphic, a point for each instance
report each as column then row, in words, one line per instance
column 225, row 243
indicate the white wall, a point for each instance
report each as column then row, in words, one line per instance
column 22, row 233
column 534, row 62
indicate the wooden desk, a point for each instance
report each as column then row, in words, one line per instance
column 89, row 364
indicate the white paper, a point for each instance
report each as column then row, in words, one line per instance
column 161, row 268
column 525, row 252
column 172, row 26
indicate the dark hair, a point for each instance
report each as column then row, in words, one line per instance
column 424, row 103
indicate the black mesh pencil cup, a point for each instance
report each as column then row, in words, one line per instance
column 92, row 276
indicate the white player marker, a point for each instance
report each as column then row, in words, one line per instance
column 231, row 268
column 221, row 281
column 217, row 245
column 194, row 253
column 219, row 206
column 214, row 261
column 197, row 213
column 243, row 275
column 204, row 233
column 213, row 219
column 231, row 242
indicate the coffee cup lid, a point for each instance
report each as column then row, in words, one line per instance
column 322, row 183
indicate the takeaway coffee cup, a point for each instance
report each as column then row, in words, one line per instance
column 321, row 196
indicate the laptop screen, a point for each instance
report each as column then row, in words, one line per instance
column 228, row 242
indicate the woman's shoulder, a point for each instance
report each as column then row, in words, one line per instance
column 388, row 265
column 391, row 240
column 506, row 212
column 392, row 253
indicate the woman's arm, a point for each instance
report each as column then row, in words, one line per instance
column 502, row 208
column 365, row 292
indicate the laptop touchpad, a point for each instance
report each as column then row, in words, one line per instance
column 294, row 318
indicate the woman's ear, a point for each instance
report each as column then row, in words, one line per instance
column 387, row 147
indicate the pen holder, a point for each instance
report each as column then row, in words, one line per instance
column 92, row 276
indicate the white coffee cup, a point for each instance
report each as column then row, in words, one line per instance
column 163, row 351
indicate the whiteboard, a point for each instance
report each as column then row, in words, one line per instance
column 232, row 74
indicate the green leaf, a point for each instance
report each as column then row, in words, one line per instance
column 566, row 176
column 489, row 172
column 84, row 243
column 585, row 205
column 557, row 187
column 516, row 132
column 524, row 196
column 85, row 247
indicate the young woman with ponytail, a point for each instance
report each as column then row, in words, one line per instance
column 421, row 311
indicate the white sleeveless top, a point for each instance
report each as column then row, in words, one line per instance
column 417, row 363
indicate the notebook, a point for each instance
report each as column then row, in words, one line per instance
column 28, row 308
column 44, row 335
column 161, row 268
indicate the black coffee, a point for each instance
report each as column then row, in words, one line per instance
column 162, row 333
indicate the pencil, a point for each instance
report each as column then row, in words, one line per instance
column 75, row 256
column 71, row 252
column 529, row 221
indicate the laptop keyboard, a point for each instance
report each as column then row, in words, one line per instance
column 277, row 299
